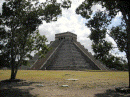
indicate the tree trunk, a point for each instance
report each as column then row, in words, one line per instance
column 128, row 57
column 13, row 74
column 129, row 52
column 128, row 45
column 14, row 70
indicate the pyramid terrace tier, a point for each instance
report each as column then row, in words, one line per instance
column 67, row 54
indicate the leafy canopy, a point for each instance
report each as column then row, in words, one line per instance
column 19, row 24
column 99, row 22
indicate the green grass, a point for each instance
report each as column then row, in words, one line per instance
column 86, row 79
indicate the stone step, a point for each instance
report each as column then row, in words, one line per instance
column 68, row 68
column 69, row 56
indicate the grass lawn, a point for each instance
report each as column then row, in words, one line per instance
column 87, row 84
column 91, row 78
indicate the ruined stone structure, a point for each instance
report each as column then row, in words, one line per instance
column 67, row 54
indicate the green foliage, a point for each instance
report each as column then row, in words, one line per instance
column 4, row 60
column 85, row 9
column 66, row 4
column 115, row 62
column 53, row 9
column 98, row 24
column 4, row 52
column 97, row 35
column 40, row 44
column 112, row 7
column 120, row 37
column 100, row 20
column 51, row 12
column 101, row 49
column 21, row 19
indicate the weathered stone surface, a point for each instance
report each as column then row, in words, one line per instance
column 72, row 79
column 67, row 54
column 40, row 85
column 68, row 57
column 65, row 86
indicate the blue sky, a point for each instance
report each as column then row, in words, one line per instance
column 70, row 21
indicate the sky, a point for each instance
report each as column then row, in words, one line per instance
column 70, row 21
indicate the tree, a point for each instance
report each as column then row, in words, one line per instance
column 101, row 47
column 19, row 23
column 113, row 7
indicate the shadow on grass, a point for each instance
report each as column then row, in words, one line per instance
column 112, row 93
column 12, row 88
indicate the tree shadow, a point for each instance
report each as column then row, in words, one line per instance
column 112, row 93
column 15, row 92
column 12, row 88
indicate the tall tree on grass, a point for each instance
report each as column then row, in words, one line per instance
column 112, row 8
column 19, row 23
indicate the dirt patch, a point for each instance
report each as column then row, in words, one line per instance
column 55, row 89
column 63, row 84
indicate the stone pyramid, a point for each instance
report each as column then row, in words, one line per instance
column 67, row 54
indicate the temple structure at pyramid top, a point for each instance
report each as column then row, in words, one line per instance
column 66, row 54
column 67, row 36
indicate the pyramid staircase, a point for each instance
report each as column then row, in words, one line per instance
column 39, row 63
column 68, row 55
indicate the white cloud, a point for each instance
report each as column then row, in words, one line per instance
column 97, row 8
column 1, row 3
column 70, row 21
